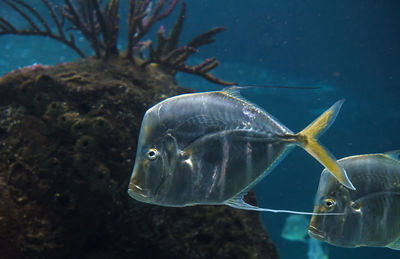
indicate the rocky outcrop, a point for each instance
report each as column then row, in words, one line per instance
column 67, row 141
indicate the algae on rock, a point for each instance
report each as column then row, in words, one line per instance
column 65, row 164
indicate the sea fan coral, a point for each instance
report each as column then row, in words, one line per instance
column 99, row 24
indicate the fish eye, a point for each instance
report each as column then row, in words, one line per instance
column 152, row 153
column 329, row 203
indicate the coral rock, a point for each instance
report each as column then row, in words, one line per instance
column 68, row 135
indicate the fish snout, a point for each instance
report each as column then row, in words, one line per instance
column 137, row 192
column 315, row 233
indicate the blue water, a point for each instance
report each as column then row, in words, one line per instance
column 351, row 49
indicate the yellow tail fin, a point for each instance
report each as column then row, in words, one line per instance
column 307, row 139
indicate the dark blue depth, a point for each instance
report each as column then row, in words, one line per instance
column 350, row 49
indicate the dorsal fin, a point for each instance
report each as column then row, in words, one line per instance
column 395, row 154
column 233, row 91
column 236, row 88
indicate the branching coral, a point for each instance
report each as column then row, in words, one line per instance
column 142, row 17
column 99, row 24
column 173, row 57
column 92, row 21
column 42, row 29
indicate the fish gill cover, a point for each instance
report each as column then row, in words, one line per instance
column 68, row 133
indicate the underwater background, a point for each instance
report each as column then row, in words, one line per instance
column 350, row 49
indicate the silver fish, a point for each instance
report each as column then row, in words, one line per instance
column 212, row 147
column 371, row 214
column 316, row 250
column 295, row 228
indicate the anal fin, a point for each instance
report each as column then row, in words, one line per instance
column 238, row 203
column 394, row 245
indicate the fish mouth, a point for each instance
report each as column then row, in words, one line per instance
column 138, row 193
column 315, row 233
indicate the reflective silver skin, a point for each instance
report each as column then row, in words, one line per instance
column 371, row 212
column 203, row 147
column 209, row 148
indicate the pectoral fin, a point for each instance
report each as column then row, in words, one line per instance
column 382, row 208
column 376, row 202
column 225, row 135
